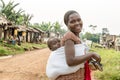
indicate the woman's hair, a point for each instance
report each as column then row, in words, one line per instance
column 67, row 14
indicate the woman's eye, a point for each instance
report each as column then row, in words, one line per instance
column 72, row 21
column 79, row 20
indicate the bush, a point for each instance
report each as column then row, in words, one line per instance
column 111, row 64
column 10, row 49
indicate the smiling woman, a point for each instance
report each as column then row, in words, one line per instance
column 72, row 56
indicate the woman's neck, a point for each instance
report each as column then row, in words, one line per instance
column 77, row 34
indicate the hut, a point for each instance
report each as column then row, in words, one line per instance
column 22, row 33
column 5, row 26
column 31, row 35
column 40, row 35
column 108, row 40
column 3, row 23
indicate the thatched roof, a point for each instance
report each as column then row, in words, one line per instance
column 32, row 29
column 41, row 31
column 3, row 20
column 21, row 28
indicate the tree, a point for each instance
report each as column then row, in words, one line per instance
column 17, row 17
column 8, row 10
column 27, row 18
column 93, row 27
column 56, row 28
column 105, row 31
column 92, row 37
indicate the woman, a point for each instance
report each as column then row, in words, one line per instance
column 74, row 23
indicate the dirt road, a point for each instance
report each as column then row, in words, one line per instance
column 28, row 66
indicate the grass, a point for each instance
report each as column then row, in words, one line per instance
column 111, row 64
column 10, row 49
column 110, row 59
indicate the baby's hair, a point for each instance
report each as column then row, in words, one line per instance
column 67, row 14
column 48, row 43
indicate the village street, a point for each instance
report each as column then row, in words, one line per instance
column 28, row 66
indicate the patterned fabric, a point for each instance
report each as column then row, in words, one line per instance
column 79, row 75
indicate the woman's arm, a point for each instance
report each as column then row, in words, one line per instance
column 75, row 60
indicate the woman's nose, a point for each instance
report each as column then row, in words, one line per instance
column 77, row 22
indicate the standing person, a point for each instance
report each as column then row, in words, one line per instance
column 74, row 23
column 56, row 64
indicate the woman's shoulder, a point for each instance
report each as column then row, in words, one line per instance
column 69, row 33
column 70, row 36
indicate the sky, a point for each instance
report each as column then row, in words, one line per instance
column 103, row 13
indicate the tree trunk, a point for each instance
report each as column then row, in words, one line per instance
column 0, row 33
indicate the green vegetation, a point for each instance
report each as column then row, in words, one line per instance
column 92, row 37
column 111, row 64
column 17, row 17
column 10, row 49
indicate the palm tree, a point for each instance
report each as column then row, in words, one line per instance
column 27, row 18
column 15, row 16
column 56, row 26
column 105, row 31
column 8, row 9
column 93, row 29
column 45, row 26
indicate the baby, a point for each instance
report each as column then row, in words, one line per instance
column 53, row 43
column 56, row 64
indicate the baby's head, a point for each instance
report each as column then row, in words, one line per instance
column 53, row 43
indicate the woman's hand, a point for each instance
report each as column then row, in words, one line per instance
column 96, row 57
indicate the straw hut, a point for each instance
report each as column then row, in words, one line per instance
column 3, row 23
column 4, row 27
column 40, row 35
column 32, row 35
column 22, row 33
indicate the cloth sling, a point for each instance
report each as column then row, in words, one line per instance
column 57, row 65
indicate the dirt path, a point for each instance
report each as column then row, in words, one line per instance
column 28, row 66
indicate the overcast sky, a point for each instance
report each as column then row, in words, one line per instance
column 103, row 13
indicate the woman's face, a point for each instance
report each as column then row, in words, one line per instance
column 75, row 23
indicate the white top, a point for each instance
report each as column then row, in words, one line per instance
column 57, row 65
